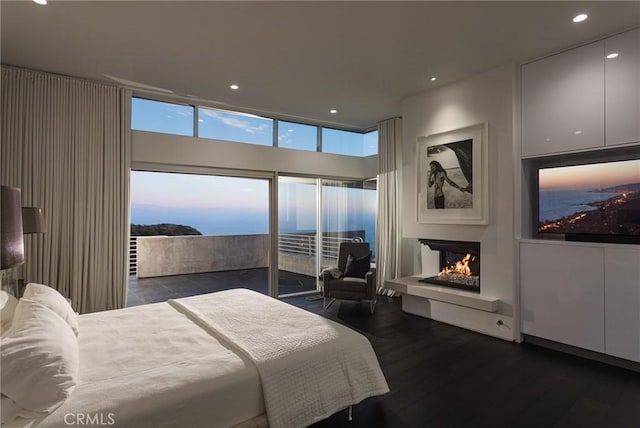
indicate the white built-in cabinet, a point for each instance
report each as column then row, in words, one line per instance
column 577, row 102
column 622, row 302
column 584, row 295
column 563, row 102
column 622, row 88
column 579, row 99
column 562, row 294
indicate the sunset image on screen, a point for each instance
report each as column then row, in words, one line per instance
column 590, row 177
column 599, row 198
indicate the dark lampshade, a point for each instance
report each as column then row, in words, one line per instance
column 11, row 243
column 32, row 220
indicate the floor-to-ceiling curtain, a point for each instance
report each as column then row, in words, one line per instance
column 65, row 143
column 389, row 229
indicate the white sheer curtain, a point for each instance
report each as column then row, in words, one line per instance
column 65, row 143
column 389, row 228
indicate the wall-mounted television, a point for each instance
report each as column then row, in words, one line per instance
column 597, row 201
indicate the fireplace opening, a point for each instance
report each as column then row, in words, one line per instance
column 459, row 264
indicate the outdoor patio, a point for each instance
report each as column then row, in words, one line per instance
column 161, row 288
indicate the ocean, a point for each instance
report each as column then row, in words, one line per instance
column 220, row 221
column 555, row 204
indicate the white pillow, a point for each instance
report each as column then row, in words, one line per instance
column 8, row 305
column 40, row 360
column 53, row 300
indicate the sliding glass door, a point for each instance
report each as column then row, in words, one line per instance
column 348, row 214
column 314, row 216
column 195, row 233
column 298, row 243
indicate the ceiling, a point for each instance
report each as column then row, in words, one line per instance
column 297, row 60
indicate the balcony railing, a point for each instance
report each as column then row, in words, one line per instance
column 305, row 244
column 133, row 255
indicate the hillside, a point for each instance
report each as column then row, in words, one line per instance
column 167, row 229
column 629, row 187
column 619, row 215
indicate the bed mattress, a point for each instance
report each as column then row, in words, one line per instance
column 235, row 358
column 151, row 366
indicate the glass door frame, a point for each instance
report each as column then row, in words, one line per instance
column 271, row 177
column 318, row 235
column 273, row 230
column 319, row 183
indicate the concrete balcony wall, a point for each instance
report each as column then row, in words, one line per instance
column 304, row 265
column 176, row 255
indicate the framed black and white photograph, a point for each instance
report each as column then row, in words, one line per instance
column 452, row 176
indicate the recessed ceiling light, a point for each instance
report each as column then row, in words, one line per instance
column 234, row 87
column 433, row 79
column 580, row 18
column 333, row 111
column 40, row 2
column 612, row 55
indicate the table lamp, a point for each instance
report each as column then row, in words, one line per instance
column 11, row 239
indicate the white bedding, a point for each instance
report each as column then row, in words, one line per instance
column 173, row 365
column 150, row 366
column 310, row 367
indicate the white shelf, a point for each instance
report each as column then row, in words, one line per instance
column 412, row 286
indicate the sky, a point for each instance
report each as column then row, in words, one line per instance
column 218, row 205
column 198, row 191
column 591, row 176
column 169, row 118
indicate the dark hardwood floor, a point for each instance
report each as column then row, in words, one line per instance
column 445, row 376
column 161, row 288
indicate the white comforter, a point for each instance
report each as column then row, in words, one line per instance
column 310, row 367
column 151, row 366
column 215, row 361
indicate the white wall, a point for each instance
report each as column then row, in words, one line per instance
column 487, row 97
column 174, row 150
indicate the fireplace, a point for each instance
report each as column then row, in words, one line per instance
column 459, row 264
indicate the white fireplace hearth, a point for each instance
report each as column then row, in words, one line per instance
column 472, row 308
column 465, row 309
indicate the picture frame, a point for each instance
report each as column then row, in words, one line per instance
column 452, row 176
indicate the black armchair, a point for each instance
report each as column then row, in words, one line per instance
column 357, row 280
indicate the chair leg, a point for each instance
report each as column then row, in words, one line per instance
column 373, row 304
column 326, row 305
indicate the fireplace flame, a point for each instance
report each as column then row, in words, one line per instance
column 461, row 267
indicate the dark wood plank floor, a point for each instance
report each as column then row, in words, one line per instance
column 445, row 376
column 159, row 289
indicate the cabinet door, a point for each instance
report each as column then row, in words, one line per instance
column 562, row 294
column 563, row 102
column 622, row 88
column 622, row 297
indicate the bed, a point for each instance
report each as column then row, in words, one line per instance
column 234, row 358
